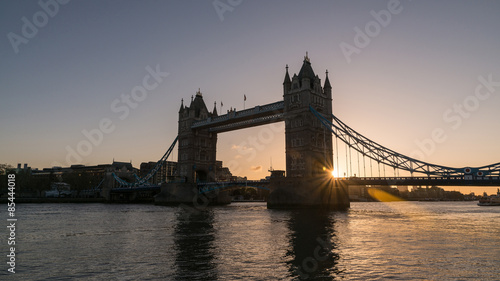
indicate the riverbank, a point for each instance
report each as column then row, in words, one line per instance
column 53, row 200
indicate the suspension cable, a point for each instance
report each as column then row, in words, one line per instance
column 364, row 166
column 346, row 162
column 350, row 162
column 337, row 148
column 359, row 172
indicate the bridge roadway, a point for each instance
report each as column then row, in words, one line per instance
column 234, row 120
column 263, row 184
column 422, row 181
column 446, row 181
column 211, row 186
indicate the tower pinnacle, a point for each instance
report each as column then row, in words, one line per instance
column 214, row 112
column 327, row 82
column 287, row 77
column 182, row 106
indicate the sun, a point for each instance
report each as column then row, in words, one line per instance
column 334, row 173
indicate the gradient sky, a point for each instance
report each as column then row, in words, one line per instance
column 395, row 90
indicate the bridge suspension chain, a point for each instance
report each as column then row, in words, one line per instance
column 144, row 180
column 386, row 156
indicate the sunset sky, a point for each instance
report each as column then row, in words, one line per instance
column 400, row 70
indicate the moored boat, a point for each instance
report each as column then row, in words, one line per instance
column 492, row 200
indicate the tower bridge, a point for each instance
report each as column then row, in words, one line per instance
column 305, row 139
column 310, row 126
column 309, row 151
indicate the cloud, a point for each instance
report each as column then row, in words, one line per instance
column 256, row 168
column 240, row 147
column 237, row 156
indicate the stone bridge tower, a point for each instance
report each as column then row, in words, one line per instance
column 308, row 144
column 197, row 147
column 309, row 151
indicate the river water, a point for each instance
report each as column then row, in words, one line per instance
column 246, row 241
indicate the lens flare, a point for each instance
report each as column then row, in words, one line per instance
column 383, row 196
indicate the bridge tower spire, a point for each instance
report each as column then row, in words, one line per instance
column 287, row 84
column 327, row 91
column 214, row 112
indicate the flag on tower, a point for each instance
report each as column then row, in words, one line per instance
column 244, row 97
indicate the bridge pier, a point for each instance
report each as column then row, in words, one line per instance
column 187, row 193
column 312, row 193
column 107, row 185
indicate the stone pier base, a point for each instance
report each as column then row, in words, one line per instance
column 187, row 193
column 312, row 193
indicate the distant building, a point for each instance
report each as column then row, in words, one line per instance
column 358, row 193
column 167, row 169
column 24, row 169
column 402, row 188
column 123, row 170
column 222, row 173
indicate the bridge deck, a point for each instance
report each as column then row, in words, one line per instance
column 446, row 181
column 256, row 116
column 230, row 183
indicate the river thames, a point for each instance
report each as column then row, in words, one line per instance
column 246, row 241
